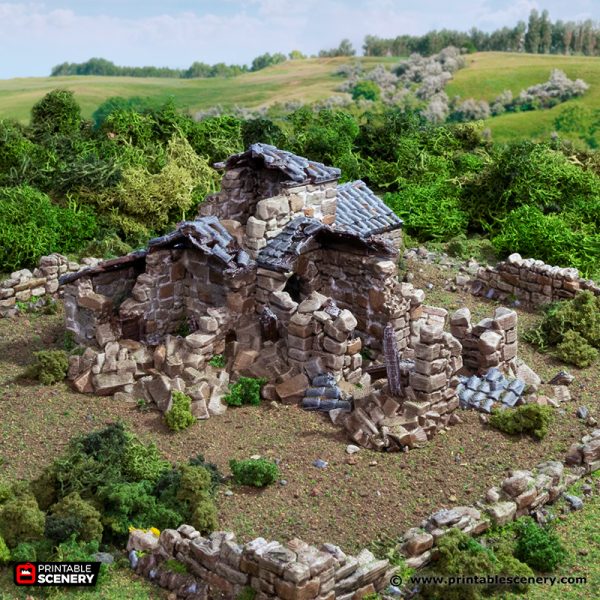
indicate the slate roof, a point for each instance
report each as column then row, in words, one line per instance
column 206, row 234
column 297, row 169
column 303, row 234
column 360, row 211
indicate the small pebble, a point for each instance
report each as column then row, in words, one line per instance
column 228, row 493
column 283, row 482
column 320, row 464
column 352, row 449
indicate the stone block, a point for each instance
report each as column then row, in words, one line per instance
column 293, row 388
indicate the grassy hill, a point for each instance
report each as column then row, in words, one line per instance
column 487, row 74
column 305, row 80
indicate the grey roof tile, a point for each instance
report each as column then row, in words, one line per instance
column 360, row 210
column 297, row 169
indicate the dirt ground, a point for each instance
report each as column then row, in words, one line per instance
column 352, row 505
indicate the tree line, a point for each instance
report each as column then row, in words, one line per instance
column 104, row 67
column 540, row 35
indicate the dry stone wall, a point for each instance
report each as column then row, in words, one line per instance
column 530, row 281
column 219, row 566
column 523, row 492
column 27, row 286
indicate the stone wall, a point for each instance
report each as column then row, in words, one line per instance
column 530, row 281
column 27, row 286
column 523, row 492
column 490, row 343
column 219, row 566
column 317, row 201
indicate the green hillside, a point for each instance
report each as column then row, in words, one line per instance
column 489, row 73
column 306, row 80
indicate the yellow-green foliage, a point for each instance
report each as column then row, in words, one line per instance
column 150, row 202
column 50, row 366
column 21, row 520
column 194, row 489
column 528, row 418
column 4, row 552
column 180, row 416
column 88, row 524
column 574, row 349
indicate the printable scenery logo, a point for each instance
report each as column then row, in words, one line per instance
column 57, row 573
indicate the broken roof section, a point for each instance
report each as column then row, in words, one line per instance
column 297, row 169
column 206, row 235
column 304, row 234
column 360, row 211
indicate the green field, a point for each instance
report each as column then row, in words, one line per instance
column 489, row 73
column 305, row 80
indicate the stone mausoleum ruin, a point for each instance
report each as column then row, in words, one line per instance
column 291, row 277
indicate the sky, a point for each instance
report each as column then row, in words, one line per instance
column 35, row 36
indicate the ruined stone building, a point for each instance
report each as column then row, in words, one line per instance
column 290, row 277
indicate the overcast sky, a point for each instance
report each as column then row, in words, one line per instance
column 35, row 36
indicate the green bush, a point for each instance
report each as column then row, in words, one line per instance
column 50, row 366
column 174, row 566
column 528, row 418
column 216, row 478
column 21, row 520
column 573, row 326
column 143, row 462
column 258, row 472
column 246, row 390
column 537, row 546
column 24, row 552
column 217, row 361
column 56, row 113
column 5, row 491
column 4, row 552
column 574, row 349
column 367, row 89
column 247, row 593
column 72, row 510
column 180, row 416
column 461, row 555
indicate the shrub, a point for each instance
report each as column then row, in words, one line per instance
column 572, row 324
column 368, row 90
column 5, row 491
column 574, row 349
column 246, row 390
column 204, row 516
column 21, row 520
column 76, row 514
column 56, row 113
column 50, row 366
column 528, row 418
column 180, row 416
column 174, row 566
column 4, row 552
column 143, row 462
column 537, row 546
column 24, row 552
column 258, row 472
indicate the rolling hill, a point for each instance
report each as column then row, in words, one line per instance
column 487, row 74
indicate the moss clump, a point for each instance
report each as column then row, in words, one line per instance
column 174, row 566
column 21, row 520
column 194, row 490
column 180, row 415
column 574, row 349
column 50, row 366
column 247, row 593
column 258, row 472
column 528, row 418
column 246, row 390
column 24, row 552
column 72, row 515
column 537, row 546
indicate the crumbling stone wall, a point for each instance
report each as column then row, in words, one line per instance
column 317, row 201
column 218, row 565
column 27, row 286
column 491, row 343
column 384, row 420
column 531, row 281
